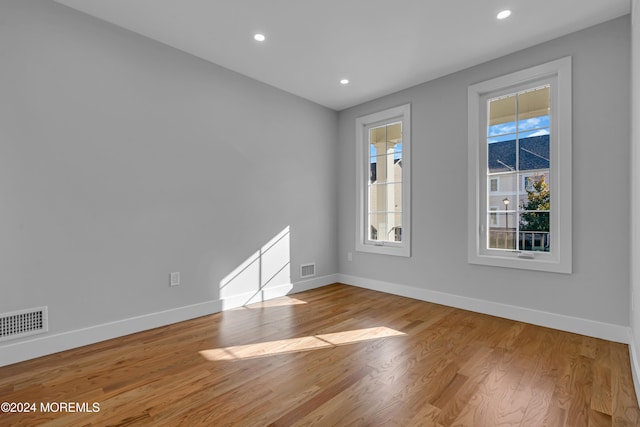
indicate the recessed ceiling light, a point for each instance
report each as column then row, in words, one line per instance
column 504, row 14
column 259, row 37
column 344, row 81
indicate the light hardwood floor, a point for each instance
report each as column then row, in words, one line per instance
column 337, row 355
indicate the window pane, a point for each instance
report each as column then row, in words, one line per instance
column 385, row 198
column 394, row 135
column 501, row 156
column 397, row 152
column 501, row 134
column 376, row 223
column 385, row 169
column 536, row 193
column 502, row 118
column 501, row 233
column 535, row 221
column 378, row 138
column 534, row 153
column 378, row 171
column 396, row 230
column 385, row 226
column 508, row 189
column 533, row 104
column 535, row 231
column 385, row 152
column 502, row 212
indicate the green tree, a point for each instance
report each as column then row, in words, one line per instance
column 538, row 198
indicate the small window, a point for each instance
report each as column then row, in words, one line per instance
column 493, row 217
column 494, row 185
column 383, row 143
column 520, row 152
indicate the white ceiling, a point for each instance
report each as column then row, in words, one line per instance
column 381, row 46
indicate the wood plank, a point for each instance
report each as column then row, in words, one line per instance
column 624, row 402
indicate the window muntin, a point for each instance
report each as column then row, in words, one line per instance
column 383, row 182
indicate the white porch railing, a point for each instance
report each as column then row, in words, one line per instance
column 527, row 240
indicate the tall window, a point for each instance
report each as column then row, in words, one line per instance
column 383, row 141
column 520, row 136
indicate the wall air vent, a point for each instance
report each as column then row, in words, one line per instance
column 22, row 323
column 307, row 270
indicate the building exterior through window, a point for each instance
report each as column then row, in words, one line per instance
column 385, row 182
column 518, row 175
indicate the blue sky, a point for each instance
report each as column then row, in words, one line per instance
column 397, row 152
column 535, row 126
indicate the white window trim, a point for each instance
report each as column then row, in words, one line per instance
column 363, row 244
column 559, row 260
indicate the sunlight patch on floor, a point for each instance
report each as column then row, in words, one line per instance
column 276, row 302
column 292, row 345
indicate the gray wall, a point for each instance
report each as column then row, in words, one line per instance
column 122, row 159
column 635, row 181
column 599, row 287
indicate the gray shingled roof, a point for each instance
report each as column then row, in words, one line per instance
column 534, row 154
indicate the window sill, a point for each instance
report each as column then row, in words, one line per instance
column 385, row 249
column 539, row 262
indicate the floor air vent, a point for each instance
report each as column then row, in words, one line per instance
column 18, row 324
column 307, row 270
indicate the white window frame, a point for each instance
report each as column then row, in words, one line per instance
column 363, row 243
column 559, row 260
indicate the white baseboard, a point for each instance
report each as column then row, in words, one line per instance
column 315, row 282
column 43, row 345
column 635, row 364
column 48, row 344
column 608, row 331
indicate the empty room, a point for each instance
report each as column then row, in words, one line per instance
column 328, row 213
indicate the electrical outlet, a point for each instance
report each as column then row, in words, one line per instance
column 174, row 278
column 349, row 256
